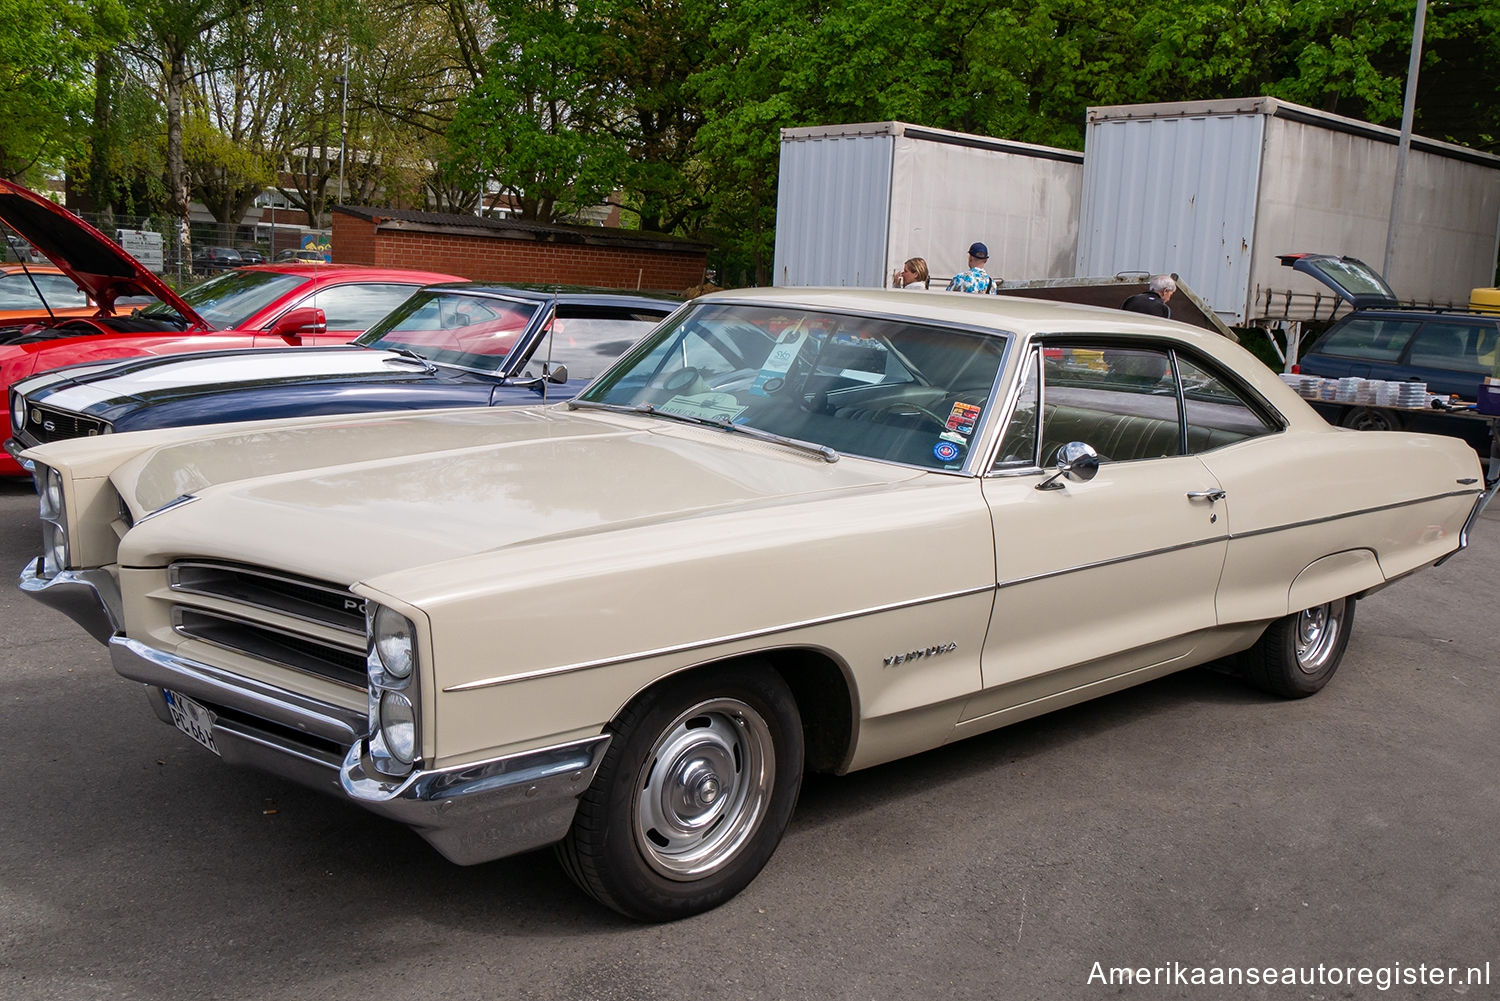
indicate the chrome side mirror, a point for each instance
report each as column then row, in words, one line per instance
column 1076, row 460
column 557, row 374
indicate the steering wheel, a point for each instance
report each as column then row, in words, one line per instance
column 683, row 382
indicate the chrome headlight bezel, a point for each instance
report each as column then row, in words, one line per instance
column 53, row 508
column 398, row 728
column 54, row 548
column 17, row 413
column 393, row 642
column 50, row 491
column 394, row 731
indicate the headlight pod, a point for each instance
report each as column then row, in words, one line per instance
column 393, row 642
column 17, row 413
column 51, row 495
column 398, row 728
column 394, row 741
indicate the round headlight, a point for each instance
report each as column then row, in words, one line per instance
column 393, row 643
column 55, row 540
column 52, row 494
column 17, row 412
column 398, row 727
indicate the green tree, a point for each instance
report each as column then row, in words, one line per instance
column 47, row 53
column 539, row 124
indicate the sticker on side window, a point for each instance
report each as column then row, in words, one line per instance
column 963, row 418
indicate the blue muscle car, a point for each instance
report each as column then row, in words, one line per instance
column 452, row 345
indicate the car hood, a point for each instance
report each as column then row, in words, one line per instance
column 350, row 499
column 103, row 391
column 95, row 262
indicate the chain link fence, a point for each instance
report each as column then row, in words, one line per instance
column 153, row 240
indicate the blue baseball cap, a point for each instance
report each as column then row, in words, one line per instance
column 980, row 251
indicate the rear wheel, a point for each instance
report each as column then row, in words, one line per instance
column 1297, row 655
column 692, row 797
column 1367, row 419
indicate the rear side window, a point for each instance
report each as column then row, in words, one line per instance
column 1369, row 338
column 588, row 339
column 1461, row 347
column 357, row 307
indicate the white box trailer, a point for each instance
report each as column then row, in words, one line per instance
column 1215, row 190
column 854, row 202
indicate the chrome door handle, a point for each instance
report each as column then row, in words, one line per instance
column 1208, row 495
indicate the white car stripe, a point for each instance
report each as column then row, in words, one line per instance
column 225, row 370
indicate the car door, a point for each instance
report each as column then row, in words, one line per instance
column 1101, row 581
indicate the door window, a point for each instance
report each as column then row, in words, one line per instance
column 1129, row 403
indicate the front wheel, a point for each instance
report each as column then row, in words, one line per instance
column 692, row 797
column 1297, row 655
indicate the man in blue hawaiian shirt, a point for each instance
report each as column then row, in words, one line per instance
column 976, row 279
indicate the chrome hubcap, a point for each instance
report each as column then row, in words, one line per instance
column 704, row 788
column 1318, row 632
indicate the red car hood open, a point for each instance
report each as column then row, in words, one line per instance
column 98, row 264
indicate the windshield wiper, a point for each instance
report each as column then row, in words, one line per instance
column 409, row 355
column 720, row 423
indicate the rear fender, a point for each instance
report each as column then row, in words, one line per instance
column 1334, row 576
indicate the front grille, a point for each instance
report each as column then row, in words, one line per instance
column 314, row 601
column 44, row 424
column 272, row 617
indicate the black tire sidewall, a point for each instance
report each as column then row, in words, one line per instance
column 1281, row 673
column 629, row 882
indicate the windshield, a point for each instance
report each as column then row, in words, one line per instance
column 229, row 300
column 884, row 389
column 469, row 331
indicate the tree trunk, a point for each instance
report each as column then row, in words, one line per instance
column 102, row 183
column 179, row 193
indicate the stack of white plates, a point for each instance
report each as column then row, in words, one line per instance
column 1411, row 394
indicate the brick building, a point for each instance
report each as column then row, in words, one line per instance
column 509, row 250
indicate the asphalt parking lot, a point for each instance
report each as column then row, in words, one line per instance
column 1186, row 824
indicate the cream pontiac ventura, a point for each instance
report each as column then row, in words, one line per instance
column 790, row 530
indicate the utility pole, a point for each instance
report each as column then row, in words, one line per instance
column 1403, row 148
column 343, row 81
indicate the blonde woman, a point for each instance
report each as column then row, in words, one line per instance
column 912, row 276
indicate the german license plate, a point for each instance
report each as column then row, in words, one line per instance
column 191, row 718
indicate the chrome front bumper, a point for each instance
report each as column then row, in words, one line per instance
column 470, row 813
column 14, row 449
column 90, row 598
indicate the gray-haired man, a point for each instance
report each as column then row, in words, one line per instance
column 1154, row 299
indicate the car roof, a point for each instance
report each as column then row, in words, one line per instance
column 1424, row 313
column 577, row 295
column 352, row 271
column 1013, row 314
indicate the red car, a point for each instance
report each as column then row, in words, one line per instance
column 271, row 305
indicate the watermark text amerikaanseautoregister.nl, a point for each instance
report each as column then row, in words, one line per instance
column 1381, row 977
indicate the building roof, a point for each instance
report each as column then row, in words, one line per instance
column 453, row 224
